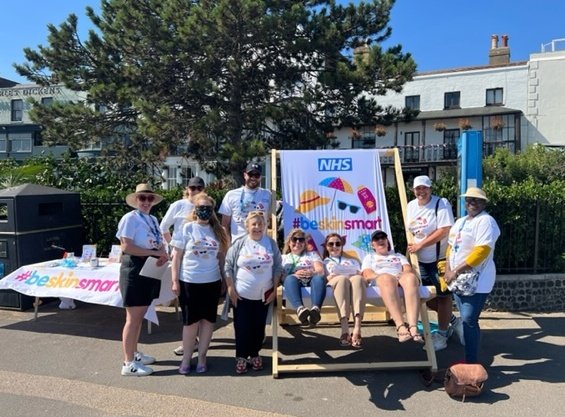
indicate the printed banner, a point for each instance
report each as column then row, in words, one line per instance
column 334, row 191
column 98, row 285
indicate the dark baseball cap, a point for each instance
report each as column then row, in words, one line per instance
column 378, row 234
column 196, row 182
column 253, row 166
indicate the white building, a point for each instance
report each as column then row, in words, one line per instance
column 514, row 104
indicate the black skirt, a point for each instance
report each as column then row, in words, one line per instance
column 199, row 301
column 136, row 289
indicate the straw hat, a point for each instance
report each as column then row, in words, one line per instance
column 475, row 192
column 145, row 189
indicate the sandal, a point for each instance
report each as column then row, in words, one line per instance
column 405, row 335
column 416, row 336
column 256, row 363
column 345, row 340
column 356, row 340
column 241, row 366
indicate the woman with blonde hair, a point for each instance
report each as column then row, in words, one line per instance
column 253, row 271
column 303, row 268
column 349, row 288
column 198, row 256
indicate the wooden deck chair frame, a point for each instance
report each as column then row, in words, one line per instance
column 429, row 363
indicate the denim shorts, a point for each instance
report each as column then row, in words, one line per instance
column 429, row 276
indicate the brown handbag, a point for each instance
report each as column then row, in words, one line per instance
column 465, row 380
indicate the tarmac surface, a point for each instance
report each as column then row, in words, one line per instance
column 67, row 363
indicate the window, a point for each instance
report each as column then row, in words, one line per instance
column 412, row 142
column 17, row 110
column 46, row 101
column 21, row 142
column 450, row 137
column 494, row 97
column 3, row 142
column 412, row 102
column 452, row 100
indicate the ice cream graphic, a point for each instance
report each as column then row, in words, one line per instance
column 367, row 199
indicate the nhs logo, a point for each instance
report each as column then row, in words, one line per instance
column 335, row 164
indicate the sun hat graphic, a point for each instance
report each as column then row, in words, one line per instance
column 309, row 200
column 337, row 184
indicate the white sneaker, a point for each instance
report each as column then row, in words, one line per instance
column 143, row 359
column 136, row 369
column 457, row 328
column 439, row 341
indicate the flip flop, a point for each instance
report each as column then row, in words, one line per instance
column 356, row 340
column 405, row 335
column 345, row 340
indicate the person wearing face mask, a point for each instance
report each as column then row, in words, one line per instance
column 470, row 247
column 176, row 215
column 349, row 288
column 198, row 256
column 140, row 238
column 239, row 202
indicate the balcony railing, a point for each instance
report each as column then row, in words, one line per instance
column 425, row 154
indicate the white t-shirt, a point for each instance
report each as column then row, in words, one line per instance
column 469, row 232
column 255, row 269
column 342, row 265
column 385, row 264
column 239, row 202
column 292, row 263
column 176, row 215
column 200, row 261
column 422, row 222
column 142, row 229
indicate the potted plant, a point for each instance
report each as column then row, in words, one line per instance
column 355, row 133
column 440, row 126
column 465, row 124
column 380, row 130
column 497, row 123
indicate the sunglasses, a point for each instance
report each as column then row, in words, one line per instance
column 198, row 188
column 255, row 213
column 253, row 174
column 336, row 244
column 343, row 205
column 473, row 200
column 144, row 198
column 298, row 239
column 203, row 205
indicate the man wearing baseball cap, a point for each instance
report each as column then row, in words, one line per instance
column 239, row 202
column 429, row 220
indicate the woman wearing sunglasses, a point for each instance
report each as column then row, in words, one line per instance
column 253, row 272
column 140, row 238
column 390, row 270
column 303, row 268
column 348, row 286
column 199, row 251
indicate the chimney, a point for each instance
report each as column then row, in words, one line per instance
column 499, row 55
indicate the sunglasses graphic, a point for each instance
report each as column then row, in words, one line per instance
column 343, row 205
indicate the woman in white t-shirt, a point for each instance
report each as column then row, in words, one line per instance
column 349, row 288
column 471, row 248
column 253, row 271
column 391, row 270
column 140, row 238
column 303, row 268
column 198, row 257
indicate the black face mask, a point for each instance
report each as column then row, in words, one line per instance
column 203, row 212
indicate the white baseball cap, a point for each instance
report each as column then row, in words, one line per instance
column 422, row 180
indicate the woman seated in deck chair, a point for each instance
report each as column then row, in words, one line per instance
column 349, row 288
column 302, row 268
column 390, row 270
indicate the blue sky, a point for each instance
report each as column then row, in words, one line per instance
column 440, row 34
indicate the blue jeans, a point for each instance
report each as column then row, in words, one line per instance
column 293, row 290
column 470, row 308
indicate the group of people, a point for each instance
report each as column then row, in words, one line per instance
column 236, row 256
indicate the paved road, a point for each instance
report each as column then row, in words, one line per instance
column 67, row 364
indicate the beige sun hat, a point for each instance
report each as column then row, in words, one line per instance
column 475, row 192
column 145, row 189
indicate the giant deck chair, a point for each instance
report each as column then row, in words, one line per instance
column 375, row 306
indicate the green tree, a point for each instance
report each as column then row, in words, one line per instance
column 225, row 79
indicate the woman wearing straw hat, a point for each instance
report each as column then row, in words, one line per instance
column 470, row 249
column 140, row 238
